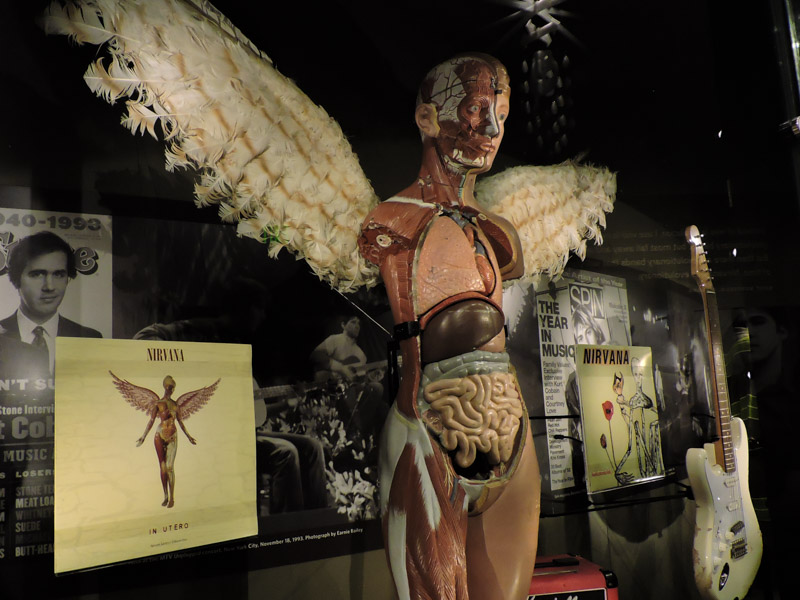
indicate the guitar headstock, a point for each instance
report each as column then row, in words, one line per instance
column 699, row 267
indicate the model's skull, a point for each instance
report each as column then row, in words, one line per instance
column 471, row 96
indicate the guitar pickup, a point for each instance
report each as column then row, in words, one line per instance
column 737, row 527
column 731, row 481
column 732, row 506
column 738, row 548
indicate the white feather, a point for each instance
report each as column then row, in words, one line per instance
column 554, row 209
column 224, row 110
column 272, row 159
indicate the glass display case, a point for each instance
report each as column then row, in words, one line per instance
column 693, row 107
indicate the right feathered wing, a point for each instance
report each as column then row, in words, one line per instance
column 272, row 159
column 138, row 397
column 555, row 210
column 190, row 402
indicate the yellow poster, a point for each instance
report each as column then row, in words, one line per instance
column 154, row 448
column 620, row 416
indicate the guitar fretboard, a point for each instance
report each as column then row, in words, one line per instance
column 719, row 384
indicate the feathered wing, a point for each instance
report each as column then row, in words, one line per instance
column 190, row 402
column 272, row 159
column 138, row 397
column 555, row 210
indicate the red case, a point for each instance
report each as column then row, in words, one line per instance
column 568, row 576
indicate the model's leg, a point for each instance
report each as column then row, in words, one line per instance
column 424, row 523
column 172, row 449
column 161, row 452
column 501, row 542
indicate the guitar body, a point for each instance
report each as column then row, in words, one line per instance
column 727, row 540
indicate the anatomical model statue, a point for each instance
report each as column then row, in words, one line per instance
column 459, row 478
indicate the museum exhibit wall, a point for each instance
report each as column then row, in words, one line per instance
column 685, row 105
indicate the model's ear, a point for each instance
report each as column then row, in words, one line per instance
column 427, row 118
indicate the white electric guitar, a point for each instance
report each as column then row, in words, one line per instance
column 727, row 539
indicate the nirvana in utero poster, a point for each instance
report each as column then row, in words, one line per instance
column 154, row 448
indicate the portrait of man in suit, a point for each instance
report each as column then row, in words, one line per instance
column 40, row 267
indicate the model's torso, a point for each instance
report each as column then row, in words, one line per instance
column 445, row 273
column 167, row 411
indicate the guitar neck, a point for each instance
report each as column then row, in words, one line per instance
column 277, row 391
column 719, row 382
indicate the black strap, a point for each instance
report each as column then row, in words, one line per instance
column 406, row 330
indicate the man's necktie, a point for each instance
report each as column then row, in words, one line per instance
column 38, row 338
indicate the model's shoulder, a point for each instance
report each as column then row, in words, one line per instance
column 394, row 225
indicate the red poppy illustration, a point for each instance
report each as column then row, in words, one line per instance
column 608, row 413
column 608, row 409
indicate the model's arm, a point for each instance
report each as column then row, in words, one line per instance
column 152, row 420
column 180, row 422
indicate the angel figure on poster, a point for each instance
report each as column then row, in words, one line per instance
column 277, row 164
column 171, row 414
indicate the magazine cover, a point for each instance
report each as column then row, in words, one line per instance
column 581, row 308
column 56, row 272
column 154, row 449
column 622, row 438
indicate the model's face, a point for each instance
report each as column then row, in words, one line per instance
column 471, row 117
column 42, row 286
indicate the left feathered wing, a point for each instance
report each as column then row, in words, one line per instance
column 140, row 398
column 555, row 210
column 190, row 402
column 272, row 159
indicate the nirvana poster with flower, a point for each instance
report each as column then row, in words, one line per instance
column 581, row 308
column 619, row 411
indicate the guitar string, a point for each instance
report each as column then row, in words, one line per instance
column 733, row 477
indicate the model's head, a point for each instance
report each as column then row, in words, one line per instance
column 40, row 267
column 462, row 106
column 169, row 383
